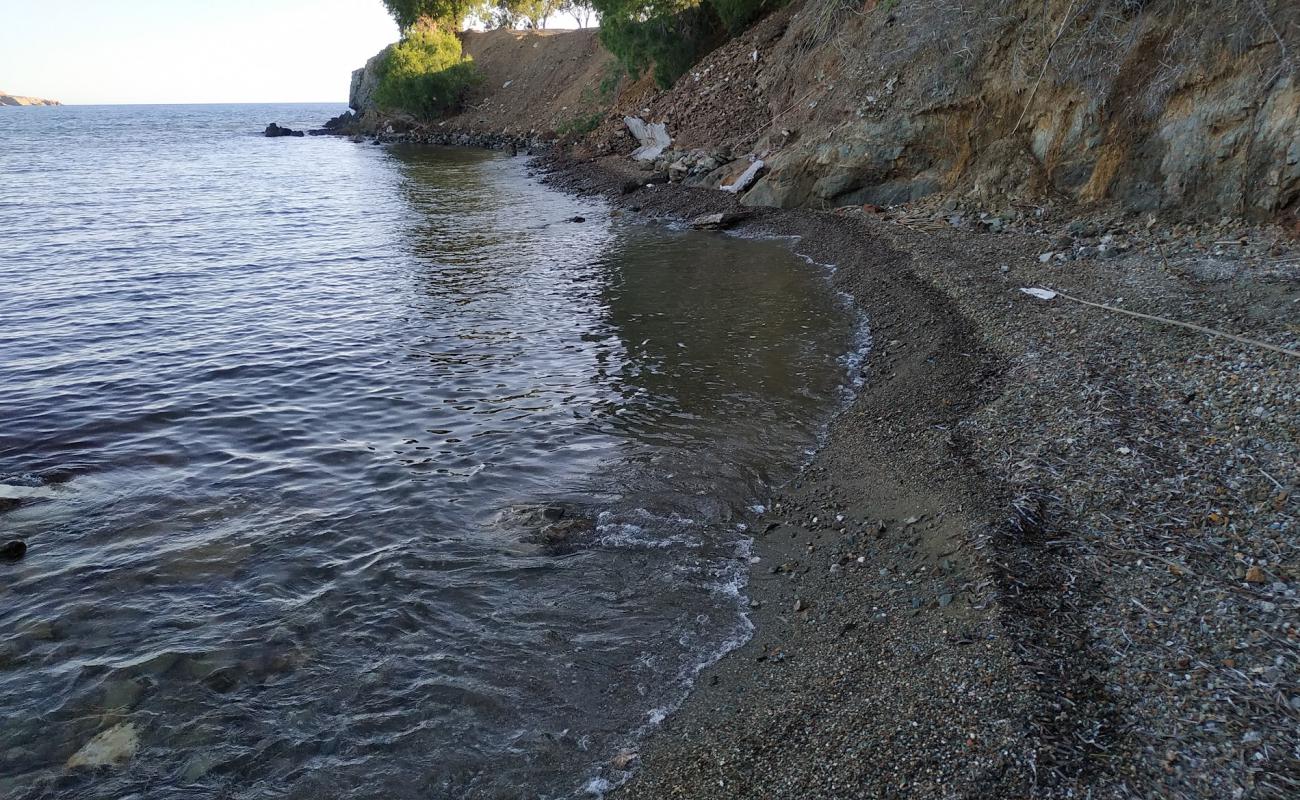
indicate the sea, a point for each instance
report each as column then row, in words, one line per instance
column 357, row 471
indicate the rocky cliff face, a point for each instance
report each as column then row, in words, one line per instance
column 7, row 99
column 361, row 94
column 1186, row 107
column 1191, row 108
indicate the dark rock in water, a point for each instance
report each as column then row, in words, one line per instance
column 558, row 527
column 341, row 123
column 320, row 132
column 273, row 130
column 9, row 504
column 566, row 533
column 577, row 219
column 13, row 550
column 57, row 475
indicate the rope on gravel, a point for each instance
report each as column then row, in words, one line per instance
column 1051, row 294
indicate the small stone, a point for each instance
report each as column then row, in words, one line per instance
column 1255, row 575
column 1043, row 258
column 799, row 606
column 13, row 550
column 945, row 600
column 623, row 760
column 577, row 219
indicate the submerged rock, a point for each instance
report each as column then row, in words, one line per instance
column 554, row 526
column 274, row 131
column 13, row 550
column 566, row 532
column 109, row 748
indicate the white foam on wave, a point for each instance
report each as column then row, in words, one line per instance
column 642, row 529
column 732, row 580
column 9, row 491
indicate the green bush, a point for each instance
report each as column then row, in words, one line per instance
column 736, row 15
column 579, row 126
column 425, row 74
column 669, row 36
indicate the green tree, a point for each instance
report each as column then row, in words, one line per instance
column 451, row 13
column 531, row 14
column 580, row 10
column 425, row 74
column 668, row 36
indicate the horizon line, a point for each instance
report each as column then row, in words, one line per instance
column 197, row 103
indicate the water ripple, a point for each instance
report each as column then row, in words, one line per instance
column 285, row 417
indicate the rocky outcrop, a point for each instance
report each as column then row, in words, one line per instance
column 361, row 94
column 7, row 99
column 1158, row 106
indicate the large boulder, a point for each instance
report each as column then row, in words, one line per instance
column 274, row 130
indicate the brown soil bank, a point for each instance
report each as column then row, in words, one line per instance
column 535, row 84
column 537, row 81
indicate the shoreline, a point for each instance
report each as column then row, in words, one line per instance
column 932, row 615
column 809, row 591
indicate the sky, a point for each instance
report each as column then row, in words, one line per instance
column 188, row 51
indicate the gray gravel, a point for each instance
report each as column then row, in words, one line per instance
column 1050, row 551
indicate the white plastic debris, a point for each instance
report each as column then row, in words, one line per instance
column 653, row 137
column 746, row 178
column 1041, row 294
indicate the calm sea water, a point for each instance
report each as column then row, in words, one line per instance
column 291, row 422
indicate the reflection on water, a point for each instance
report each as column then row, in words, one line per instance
column 368, row 474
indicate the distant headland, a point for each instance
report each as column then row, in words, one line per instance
column 7, row 99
